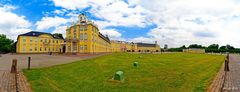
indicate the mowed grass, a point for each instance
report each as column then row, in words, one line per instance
column 173, row 72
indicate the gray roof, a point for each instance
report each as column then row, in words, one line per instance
column 146, row 45
column 104, row 38
column 36, row 34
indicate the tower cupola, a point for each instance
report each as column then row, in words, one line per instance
column 82, row 18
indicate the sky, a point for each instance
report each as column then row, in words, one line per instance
column 171, row 22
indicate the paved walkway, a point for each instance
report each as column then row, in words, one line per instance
column 232, row 81
column 40, row 60
column 8, row 81
column 228, row 81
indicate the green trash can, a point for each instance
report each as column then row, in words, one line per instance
column 135, row 64
column 118, row 76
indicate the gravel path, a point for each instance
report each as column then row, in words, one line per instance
column 40, row 60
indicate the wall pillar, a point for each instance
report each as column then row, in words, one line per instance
column 71, row 46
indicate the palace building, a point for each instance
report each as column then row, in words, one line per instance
column 81, row 37
column 39, row 42
column 84, row 37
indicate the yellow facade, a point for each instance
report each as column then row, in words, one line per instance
column 194, row 50
column 81, row 37
column 148, row 49
column 116, row 46
column 84, row 37
column 33, row 42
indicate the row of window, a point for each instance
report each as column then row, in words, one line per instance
column 84, row 47
column 41, row 40
column 81, row 47
column 75, row 29
column 40, row 49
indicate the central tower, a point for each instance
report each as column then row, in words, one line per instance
column 82, row 18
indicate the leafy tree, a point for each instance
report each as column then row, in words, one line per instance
column 183, row 47
column 223, row 48
column 229, row 47
column 6, row 45
column 213, row 46
column 195, row 46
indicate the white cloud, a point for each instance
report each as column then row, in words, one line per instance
column 48, row 22
column 112, row 12
column 71, row 4
column 60, row 12
column 179, row 22
column 12, row 24
column 113, row 34
column 143, row 39
column 60, row 29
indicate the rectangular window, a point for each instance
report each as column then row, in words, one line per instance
column 45, row 48
column 53, row 41
column 35, row 48
column 40, row 48
column 24, row 39
column 81, row 36
column 30, row 39
column 81, row 47
column 57, row 41
column 85, row 36
column 24, row 47
column 85, row 47
column 81, row 29
column 40, row 40
column 75, row 36
column 36, row 40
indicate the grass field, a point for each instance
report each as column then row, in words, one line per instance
column 174, row 72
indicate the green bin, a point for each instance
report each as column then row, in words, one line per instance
column 135, row 64
column 118, row 76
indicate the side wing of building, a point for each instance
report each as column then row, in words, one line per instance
column 38, row 42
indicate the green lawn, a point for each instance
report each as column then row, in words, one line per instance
column 175, row 72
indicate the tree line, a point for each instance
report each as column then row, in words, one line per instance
column 6, row 45
column 215, row 48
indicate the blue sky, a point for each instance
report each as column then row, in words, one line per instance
column 175, row 22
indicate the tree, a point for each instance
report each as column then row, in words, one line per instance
column 223, row 48
column 6, row 44
column 58, row 35
column 213, row 46
column 183, row 47
column 229, row 47
column 195, row 46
